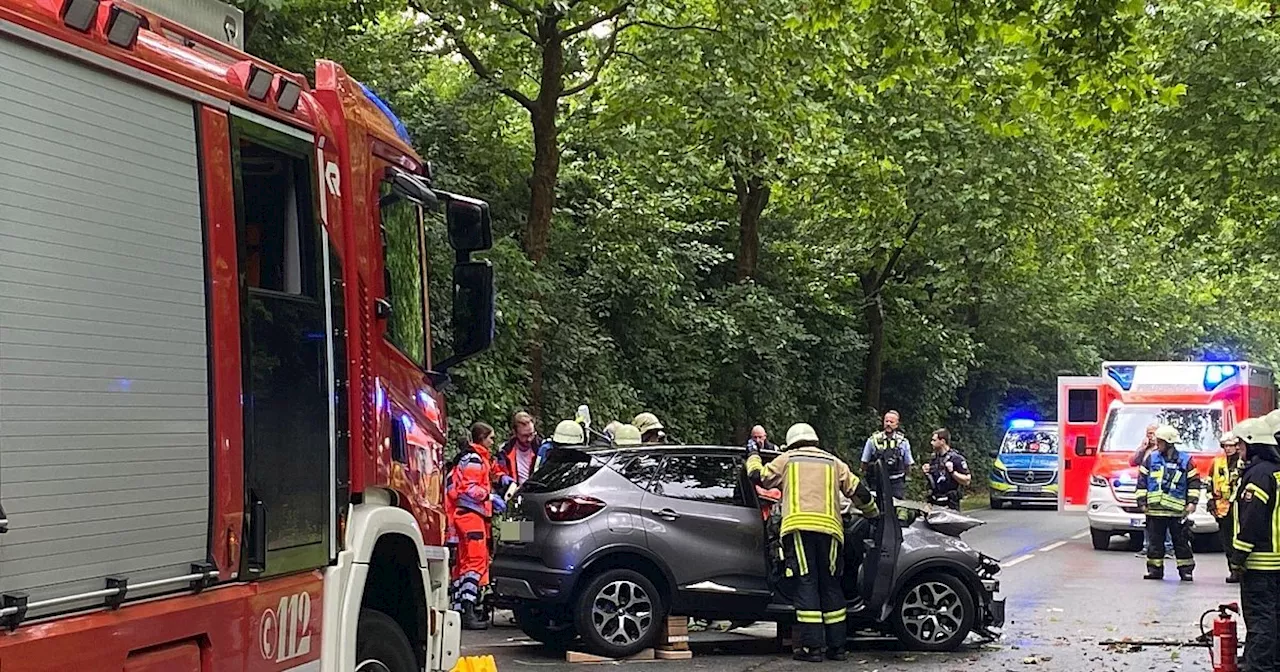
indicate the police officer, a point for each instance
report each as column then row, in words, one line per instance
column 812, row 531
column 947, row 472
column 1168, row 491
column 889, row 449
column 1224, row 478
column 1257, row 545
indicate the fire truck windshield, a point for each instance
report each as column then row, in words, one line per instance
column 1198, row 426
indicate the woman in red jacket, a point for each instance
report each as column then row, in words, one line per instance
column 469, row 503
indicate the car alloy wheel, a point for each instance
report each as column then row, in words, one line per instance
column 932, row 612
column 372, row 666
column 622, row 613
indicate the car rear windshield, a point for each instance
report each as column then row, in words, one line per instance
column 564, row 468
column 1198, row 427
column 1030, row 441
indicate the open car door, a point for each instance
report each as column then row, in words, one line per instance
column 881, row 556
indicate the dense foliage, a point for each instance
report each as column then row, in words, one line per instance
column 741, row 211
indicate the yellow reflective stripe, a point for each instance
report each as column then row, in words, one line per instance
column 1242, row 545
column 812, row 523
column 831, row 562
column 1144, row 470
column 1187, row 562
column 1263, row 561
column 754, row 464
column 836, row 616
column 809, row 616
column 829, row 476
column 800, row 559
column 793, row 488
column 1258, row 493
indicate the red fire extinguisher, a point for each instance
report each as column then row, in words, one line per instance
column 1224, row 642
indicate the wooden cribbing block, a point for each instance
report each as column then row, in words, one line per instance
column 580, row 657
column 674, row 655
column 675, row 635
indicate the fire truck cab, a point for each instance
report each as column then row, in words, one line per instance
column 221, row 436
column 1103, row 420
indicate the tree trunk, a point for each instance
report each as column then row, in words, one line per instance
column 542, row 182
column 873, row 370
column 753, row 196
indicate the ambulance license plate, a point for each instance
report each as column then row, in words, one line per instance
column 1137, row 522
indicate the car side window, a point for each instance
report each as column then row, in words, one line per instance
column 641, row 469
column 702, row 478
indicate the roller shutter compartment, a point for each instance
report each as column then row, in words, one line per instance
column 104, row 415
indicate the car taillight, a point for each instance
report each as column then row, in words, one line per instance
column 572, row 508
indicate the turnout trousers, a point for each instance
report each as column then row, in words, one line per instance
column 1227, row 533
column 816, row 561
column 1260, row 602
column 471, row 572
column 1157, row 527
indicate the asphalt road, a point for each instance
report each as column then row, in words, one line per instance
column 1063, row 597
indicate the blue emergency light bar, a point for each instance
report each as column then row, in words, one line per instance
column 1123, row 375
column 1022, row 423
column 1216, row 374
column 386, row 110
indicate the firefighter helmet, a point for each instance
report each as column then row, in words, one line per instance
column 611, row 429
column 569, row 433
column 627, row 435
column 1255, row 431
column 801, row 433
column 1272, row 420
column 1228, row 439
column 1168, row 434
column 647, row 422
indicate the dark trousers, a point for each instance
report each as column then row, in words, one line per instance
column 1157, row 527
column 816, row 561
column 899, row 488
column 1260, row 602
column 1227, row 533
column 950, row 500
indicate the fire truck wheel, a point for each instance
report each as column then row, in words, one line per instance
column 381, row 646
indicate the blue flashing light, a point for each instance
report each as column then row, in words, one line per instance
column 1022, row 423
column 386, row 110
column 406, row 422
column 379, row 397
column 1123, row 375
column 1216, row 374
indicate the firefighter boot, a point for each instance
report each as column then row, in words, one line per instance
column 1154, row 573
column 1184, row 573
column 837, row 653
column 472, row 619
column 1234, row 576
column 806, row 655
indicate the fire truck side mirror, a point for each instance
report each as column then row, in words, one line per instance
column 473, row 311
column 469, row 223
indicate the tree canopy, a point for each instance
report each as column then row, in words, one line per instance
column 748, row 212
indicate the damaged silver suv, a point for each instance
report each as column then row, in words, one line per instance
column 603, row 543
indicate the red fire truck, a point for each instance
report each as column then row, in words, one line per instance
column 221, row 439
column 1102, row 421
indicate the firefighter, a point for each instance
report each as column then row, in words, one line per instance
column 627, row 435
column 471, row 501
column 889, row 449
column 1224, row 477
column 948, row 472
column 1257, row 545
column 1168, row 491
column 568, row 433
column 812, row 531
column 651, row 429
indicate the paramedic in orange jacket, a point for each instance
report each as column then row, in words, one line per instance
column 470, row 503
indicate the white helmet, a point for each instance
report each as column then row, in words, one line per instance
column 801, row 433
column 569, row 433
column 1168, row 434
column 1255, row 431
column 647, row 422
column 627, row 435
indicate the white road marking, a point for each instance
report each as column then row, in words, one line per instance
column 1082, row 535
column 1009, row 563
column 1050, row 547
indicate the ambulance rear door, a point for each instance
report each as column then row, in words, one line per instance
column 1080, row 414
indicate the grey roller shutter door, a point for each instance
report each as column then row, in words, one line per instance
column 104, row 417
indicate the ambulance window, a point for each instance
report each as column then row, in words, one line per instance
column 402, row 274
column 279, row 241
column 1082, row 405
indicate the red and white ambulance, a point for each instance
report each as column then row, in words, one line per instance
column 1102, row 420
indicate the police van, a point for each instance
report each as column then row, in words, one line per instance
column 1025, row 469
